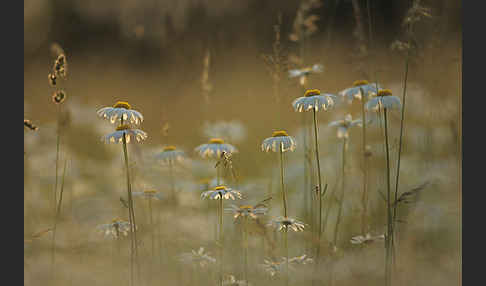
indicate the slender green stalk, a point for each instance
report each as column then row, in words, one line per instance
column 171, row 178
column 286, row 245
column 221, row 240
column 282, row 181
column 402, row 120
column 389, row 234
column 134, row 246
column 56, row 218
column 320, row 194
column 151, row 233
column 364, row 198
column 341, row 200
column 245, row 247
column 58, row 142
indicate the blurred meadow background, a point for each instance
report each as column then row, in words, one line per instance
column 199, row 70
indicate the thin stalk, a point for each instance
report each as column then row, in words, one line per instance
column 364, row 198
column 320, row 194
column 341, row 200
column 402, row 120
column 151, row 229
column 56, row 218
column 245, row 247
column 282, row 181
column 217, row 174
column 221, row 240
column 58, row 142
column 389, row 214
column 286, row 245
column 171, row 178
column 134, row 246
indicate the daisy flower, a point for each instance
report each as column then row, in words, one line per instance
column 360, row 88
column 121, row 111
column 280, row 140
column 199, row 257
column 286, row 223
column 246, row 211
column 384, row 99
column 221, row 192
column 130, row 134
column 344, row 125
column 314, row 100
column 115, row 229
column 214, row 148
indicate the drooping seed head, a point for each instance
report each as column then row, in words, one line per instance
column 312, row 92
column 52, row 79
column 59, row 96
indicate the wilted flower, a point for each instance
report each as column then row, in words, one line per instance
column 221, row 192
column 273, row 267
column 384, row 99
column 287, row 223
column 358, row 86
column 304, row 72
column 120, row 111
column 231, row 130
column 246, row 211
column 313, row 100
column 115, row 228
column 214, row 148
column 117, row 136
column 170, row 154
column 30, row 125
column 303, row 259
column 197, row 257
column 149, row 194
column 231, row 281
column 359, row 239
column 343, row 125
column 280, row 139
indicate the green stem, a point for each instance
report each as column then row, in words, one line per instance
column 56, row 218
column 364, row 198
column 282, row 181
column 245, row 247
column 221, row 240
column 58, row 142
column 171, row 178
column 402, row 120
column 389, row 215
column 341, row 201
column 133, row 225
column 286, row 245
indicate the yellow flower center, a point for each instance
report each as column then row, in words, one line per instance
column 216, row 141
column 122, row 127
column 246, row 207
column 384, row 92
column 115, row 220
column 279, row 133
column 122, row 104
column 360, row 82
column 312, row 92
column 219, row 188
column 150, row 191
column 169, row 148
